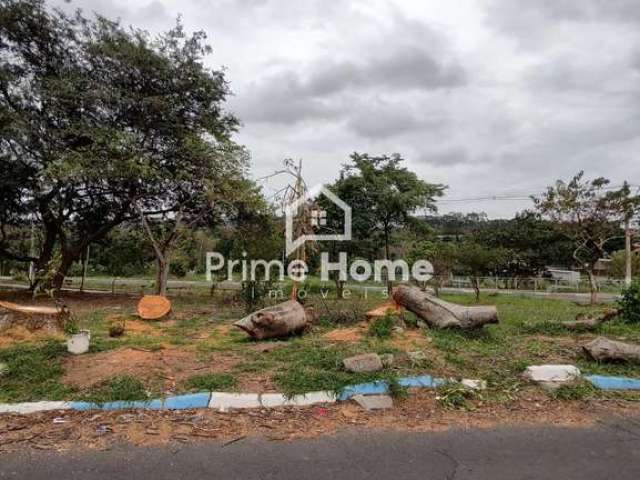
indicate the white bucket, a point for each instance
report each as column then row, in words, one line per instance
column 79, row 342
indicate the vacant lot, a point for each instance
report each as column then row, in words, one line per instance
column 197, row 349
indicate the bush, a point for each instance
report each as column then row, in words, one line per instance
column 629, row 304
column 381, row 327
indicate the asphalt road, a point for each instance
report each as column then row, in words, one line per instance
column 609, row 450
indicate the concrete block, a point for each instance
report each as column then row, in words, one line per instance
column 374, row 402
column 224, row 401
column 32, row 407
column 474, row 384
column 551, row 374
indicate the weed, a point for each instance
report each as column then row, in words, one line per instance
column 382, row 327
column 121, row 388
column 455, row 396
column 211, row 382
column 33, row 373
column 581, row 390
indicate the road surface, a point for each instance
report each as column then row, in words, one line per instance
column 608, row 450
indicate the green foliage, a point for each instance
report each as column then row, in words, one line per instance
column 211, row 382
column 629, row 304
column 617, row 266
column 455, row 396
column 122, row 120
column 382, row 327
column 120, row 388
column 581, row 390
column 33, row 373
column 385, row 193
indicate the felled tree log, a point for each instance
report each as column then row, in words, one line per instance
column 583, row 322
column 280, row 320
column 603, row 349
column 440, row 314
column 32, row 316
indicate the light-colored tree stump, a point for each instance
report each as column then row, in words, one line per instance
column 604, row 350
column 441, row 314
column 280, row 320
column 32, row 317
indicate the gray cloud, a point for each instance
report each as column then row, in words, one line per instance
column 482, row 96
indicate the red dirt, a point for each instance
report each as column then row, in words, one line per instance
column 170, row 365
column 420, row 412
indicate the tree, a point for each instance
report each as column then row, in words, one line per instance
column 383, row 195
column 589, row 213
column 533, row 243
column 478, row 261
column 618, row 264
column 96, row 118
column 442, row 255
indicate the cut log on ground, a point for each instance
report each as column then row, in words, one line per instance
column 280, row 320
column 32, row 317
column 153, row 307
column 389, row 308
column 440, row 314
column 590, row 322
column 604, row 350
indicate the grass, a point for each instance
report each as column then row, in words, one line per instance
column 33, row 373
column 529, row 333
column 211, row 382
column 124, row 388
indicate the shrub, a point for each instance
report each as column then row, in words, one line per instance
column 381, row 327
column 629, row 304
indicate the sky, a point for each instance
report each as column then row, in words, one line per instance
column 493, row 98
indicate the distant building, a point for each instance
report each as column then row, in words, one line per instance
column 562, row 274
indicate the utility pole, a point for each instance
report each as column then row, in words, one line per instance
column 627, row 249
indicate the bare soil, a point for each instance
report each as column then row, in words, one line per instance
column 62, row 431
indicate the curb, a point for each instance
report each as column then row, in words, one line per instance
column 223, row 401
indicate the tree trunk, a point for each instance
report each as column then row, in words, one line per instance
column 593, row 287
column 475, row 282
column 440, row 314
column 603, row 349
column 280, row 320
column 68, row 257
column 339, row 285
column 583, row 322
column 162, row 275
column 386, row 257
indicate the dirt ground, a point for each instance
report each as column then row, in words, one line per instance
column 62, row 431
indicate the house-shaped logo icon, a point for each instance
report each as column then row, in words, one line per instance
column 318, row 219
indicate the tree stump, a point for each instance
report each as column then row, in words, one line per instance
column 603, row 349
column 33, row 317
column 153, row 307
column 441, row 314
column 280, row 320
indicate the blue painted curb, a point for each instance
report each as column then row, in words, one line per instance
column 380, row 387
column 178, row 402
column 604, row 382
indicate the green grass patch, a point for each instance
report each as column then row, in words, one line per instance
column 211, row 382
column 33, row 373
column 121, row 388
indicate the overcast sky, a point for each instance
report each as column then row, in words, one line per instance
column 490, row 97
